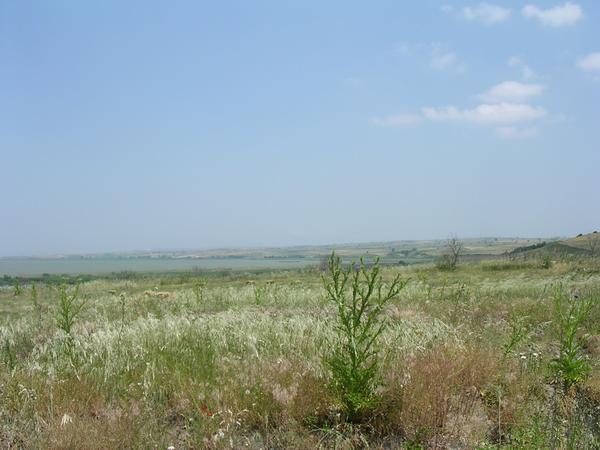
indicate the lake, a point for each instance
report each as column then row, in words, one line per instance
column 96, row 266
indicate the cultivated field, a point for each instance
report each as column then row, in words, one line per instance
column 493, row 354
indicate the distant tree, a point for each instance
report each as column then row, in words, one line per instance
column 454, row 250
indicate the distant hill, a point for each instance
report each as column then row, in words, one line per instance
column 576, row 246
column 583, row 240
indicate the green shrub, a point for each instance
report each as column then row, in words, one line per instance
column 571, row 311
column 69, row 308
column 359, row 295
column 17, row 288
column 444, row 263
column 546, row 262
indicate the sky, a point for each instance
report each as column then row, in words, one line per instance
column 191, row 124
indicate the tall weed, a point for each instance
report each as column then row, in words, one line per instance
column 359, row 294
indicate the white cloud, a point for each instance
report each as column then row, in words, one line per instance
column 511, row 91
column 509, row 132
column 527, row 72
column 397, row 120
column 558, row 16
column 446, row 9
column 486, row 114
column 486, row 13
column 590, row 63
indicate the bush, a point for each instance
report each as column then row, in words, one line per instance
column 546, row 262
column 444, row 263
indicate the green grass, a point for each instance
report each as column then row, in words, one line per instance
column 466, row 362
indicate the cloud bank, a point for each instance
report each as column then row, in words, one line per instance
column 511, row 91
column 558, row 16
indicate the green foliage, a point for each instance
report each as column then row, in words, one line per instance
column 444, row 263
column 546, row 262
column 199, row 288
column 153, row 367
column 34, row 293
column 459, row 295
column 452, row 253
column 69, row 308
column 17, row 290
column 527, row 248
column 505, row 266
column 260, row 293
column 359, row 294
column 9, row 355
column 571, row 311
column 519, row 331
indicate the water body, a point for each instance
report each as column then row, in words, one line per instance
column 96, row 266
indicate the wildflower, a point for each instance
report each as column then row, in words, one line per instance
column 171, row 447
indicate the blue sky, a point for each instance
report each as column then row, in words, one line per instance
column 135, row 125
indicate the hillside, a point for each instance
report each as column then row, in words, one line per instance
column 581, row 245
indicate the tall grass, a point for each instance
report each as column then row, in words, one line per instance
column 464, row 360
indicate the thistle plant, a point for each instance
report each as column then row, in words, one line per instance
column 360, row 295
column 571, row 311
column 17, row 288
column 69, row 308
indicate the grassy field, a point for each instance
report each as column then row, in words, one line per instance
column 467, row 359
